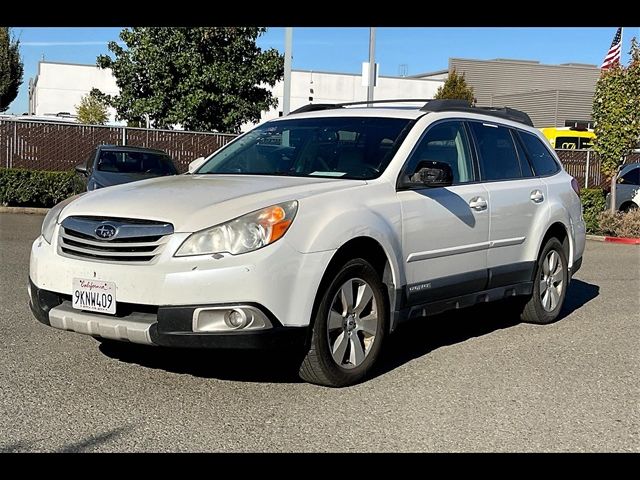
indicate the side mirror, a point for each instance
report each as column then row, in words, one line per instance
column 196, row 164
column 81, row 169
column 431, row 174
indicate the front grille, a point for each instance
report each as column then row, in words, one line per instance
column 134, row 241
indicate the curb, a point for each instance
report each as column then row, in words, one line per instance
column 596, row 238
column 27, row 210
column 626, row 241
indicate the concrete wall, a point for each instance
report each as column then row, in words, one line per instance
column 59, row 87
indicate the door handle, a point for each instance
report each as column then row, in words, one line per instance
column 478, row 203
column 537, row 196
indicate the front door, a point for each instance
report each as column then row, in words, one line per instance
column 445, row 229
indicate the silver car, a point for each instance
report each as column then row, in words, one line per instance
column 627, row 188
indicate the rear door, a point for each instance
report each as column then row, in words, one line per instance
column 516, row 200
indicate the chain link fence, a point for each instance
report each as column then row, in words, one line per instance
column 56, row 146
column 584, row 166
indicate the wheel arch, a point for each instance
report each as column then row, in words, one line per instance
column 560, row 231
column 371, row 250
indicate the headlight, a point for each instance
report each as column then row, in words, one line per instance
column 50, row 220
column 244, row 234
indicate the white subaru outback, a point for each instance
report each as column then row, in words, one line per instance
column 323, row 229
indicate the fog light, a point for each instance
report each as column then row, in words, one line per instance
column 236, row 319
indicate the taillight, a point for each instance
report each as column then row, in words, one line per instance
column 575, row 186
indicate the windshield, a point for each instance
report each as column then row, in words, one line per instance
column 356, row 148
column 148, row 163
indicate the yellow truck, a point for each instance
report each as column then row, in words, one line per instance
column 569, row 137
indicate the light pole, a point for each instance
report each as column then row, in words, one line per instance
column 286, row 100
column 372, row 64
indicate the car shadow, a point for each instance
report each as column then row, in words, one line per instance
column 418, row 337
column 412, row 340
column 260, row 366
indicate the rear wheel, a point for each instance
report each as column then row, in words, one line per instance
column 349, row 327
column 549, row 285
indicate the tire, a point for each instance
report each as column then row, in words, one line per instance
column 629, row 207
column 548, row 295
column 346, row 340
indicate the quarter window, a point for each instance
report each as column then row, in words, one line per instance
column 542, row 161
column 498, row 158
column 445, row 142
column 522, row 155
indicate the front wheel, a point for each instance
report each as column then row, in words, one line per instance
column 549, row 285
column 349, row 327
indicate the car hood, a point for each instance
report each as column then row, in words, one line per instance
column 194, row 202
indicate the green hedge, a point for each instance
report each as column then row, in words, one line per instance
column 593, row 204
column 37, row 188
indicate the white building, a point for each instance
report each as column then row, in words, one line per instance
column 58, row 87
column 329, row 87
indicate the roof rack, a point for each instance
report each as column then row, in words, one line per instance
column 431, row 105
column 443, row 105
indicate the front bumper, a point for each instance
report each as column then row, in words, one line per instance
column 163, row 326
column 278, row 277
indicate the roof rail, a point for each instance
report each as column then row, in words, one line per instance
column 431, row 105
column 314, row 107
column 444, row 105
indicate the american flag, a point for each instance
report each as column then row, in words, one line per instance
column 613, row 56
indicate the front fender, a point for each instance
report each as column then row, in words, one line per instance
column 331, row 225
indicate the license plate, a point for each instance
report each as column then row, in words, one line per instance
column 94, row 296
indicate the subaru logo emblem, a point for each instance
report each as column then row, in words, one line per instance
column 105, row 231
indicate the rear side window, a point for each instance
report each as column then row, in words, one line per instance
column 542, row 161
column 498, row 158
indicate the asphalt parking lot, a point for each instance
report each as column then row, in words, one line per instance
column 476, row 380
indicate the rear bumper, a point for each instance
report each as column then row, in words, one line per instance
column 162, row 326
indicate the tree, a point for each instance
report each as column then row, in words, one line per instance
column 455, row 87
column 616, row 112
column 92, row 110
column 11, row 68
column 203, row 78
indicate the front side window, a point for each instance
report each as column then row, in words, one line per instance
column 445, row 142
column 632, row 177
column 542, row 161
column 349, row 147
column 148, row 163
column 498, row 158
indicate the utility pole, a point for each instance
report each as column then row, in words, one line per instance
column 288, row 41
column 372, row 64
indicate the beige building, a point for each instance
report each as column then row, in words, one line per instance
column 550, row 94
